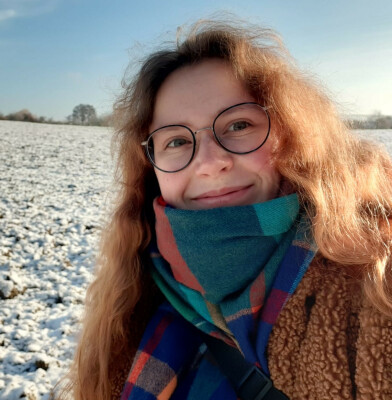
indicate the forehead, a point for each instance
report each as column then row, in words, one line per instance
column 194, row 95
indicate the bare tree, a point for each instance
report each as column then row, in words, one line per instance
column 83, row 114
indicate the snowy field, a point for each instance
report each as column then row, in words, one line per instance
column 55, row 186
column 55, row 182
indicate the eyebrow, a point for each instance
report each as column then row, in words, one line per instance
column 213, row 118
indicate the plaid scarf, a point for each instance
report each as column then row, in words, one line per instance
column 226, row 272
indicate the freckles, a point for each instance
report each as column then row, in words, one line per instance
column 266, row 158
column 172, row 187
column 261, row 160
column 167, row 185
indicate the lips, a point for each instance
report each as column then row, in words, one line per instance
column 221, row 192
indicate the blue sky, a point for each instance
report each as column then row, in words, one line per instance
column 55, row 54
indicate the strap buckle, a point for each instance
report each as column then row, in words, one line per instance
column 254, row 385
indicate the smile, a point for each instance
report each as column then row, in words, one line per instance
column 224, row 197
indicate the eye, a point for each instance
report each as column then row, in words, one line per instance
column 238, row 126
column 177, row 142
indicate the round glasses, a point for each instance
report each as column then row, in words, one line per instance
column 239, row 129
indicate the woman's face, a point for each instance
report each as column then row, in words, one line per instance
column 193, row 96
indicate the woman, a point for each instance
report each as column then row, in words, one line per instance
column 247, row 212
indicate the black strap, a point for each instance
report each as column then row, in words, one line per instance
column 249, row 382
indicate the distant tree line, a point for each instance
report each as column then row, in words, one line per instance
column 85, row 114
column 82, row 114
column 374, row 121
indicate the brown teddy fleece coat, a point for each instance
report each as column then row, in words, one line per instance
column 328, row 342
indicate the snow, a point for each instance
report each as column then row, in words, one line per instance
column 56, row 185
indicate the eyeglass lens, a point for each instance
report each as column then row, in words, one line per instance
column 240, row 129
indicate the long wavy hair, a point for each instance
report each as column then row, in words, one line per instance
column 344, row 184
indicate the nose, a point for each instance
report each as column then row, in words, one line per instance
column 211, row 159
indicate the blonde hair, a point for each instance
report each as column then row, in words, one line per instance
column 343, row 183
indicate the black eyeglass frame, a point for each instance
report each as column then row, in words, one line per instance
column 212, row 127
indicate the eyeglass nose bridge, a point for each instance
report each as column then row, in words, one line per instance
column 204, row 129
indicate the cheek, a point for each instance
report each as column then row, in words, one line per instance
column 261, row 161
column 171, row 187
column 261, row 164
